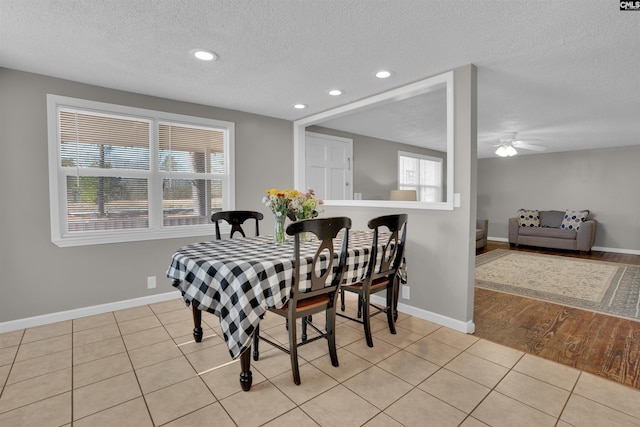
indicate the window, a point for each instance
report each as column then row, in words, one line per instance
column 420, row 173
column 121, row 174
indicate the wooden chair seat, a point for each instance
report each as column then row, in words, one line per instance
column 376, row 285
column 307, row 304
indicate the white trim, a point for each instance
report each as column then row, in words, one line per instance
column 45, row 319
column 404, row 92
column 398, row 204
column 467, row 327
column 616, row 250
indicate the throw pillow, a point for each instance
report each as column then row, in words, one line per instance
column 528, row 218
column 552, row 219
column 573, row 219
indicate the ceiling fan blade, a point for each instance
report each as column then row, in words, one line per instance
column 527, row 146
column 493, row 143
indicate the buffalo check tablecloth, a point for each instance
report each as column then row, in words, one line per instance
column 238, row 279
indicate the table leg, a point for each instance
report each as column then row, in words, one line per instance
column 197, row 323
column 246, row 377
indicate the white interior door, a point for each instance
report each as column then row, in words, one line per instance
column 329, row 166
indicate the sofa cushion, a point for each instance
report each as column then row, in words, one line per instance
column 528, row 218
column 573, row 219
column 551, row 219
column 479, row 233
column 557, row 233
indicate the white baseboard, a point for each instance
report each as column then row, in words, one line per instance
column 467, row 327
column 616, row 250
column 60, row 316
column 595, row 248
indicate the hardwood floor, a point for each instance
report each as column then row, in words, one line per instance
column 603, row 345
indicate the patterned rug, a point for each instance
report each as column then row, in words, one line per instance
column 605, row 287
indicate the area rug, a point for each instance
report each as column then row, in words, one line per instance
column 604, row 287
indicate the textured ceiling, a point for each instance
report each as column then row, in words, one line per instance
column 561, row 73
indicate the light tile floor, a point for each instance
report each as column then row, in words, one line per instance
column 140, row 367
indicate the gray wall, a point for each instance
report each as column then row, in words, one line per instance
column 375, row 163
column 605, row 181
column 38, row 277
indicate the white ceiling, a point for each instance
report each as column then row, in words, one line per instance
column 561, row 73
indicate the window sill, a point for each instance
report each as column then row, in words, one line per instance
column 99, row 238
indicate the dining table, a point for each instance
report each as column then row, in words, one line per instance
column 238, row 279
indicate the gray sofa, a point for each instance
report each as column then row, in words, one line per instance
column 576, row 234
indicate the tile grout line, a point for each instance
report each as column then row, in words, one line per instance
column 144, row 399
column 198, row 375
column 72, row 372
column 15, row 356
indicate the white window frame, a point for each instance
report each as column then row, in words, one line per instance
column 439, row 160
column 57, row 178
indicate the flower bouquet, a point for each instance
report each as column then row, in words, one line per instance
column 290, row 203
column 303, row 205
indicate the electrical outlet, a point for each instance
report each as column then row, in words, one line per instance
column 151, row 282
column 405, row 292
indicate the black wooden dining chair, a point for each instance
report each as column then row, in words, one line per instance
column 325, row 273
column 235, row 219
column 380, row 276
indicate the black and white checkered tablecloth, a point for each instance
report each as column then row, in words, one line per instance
column 237, row 279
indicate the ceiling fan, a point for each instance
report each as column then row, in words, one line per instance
column 508, row 144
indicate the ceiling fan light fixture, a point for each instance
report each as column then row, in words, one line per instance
column 511, row 151
column 506, row 150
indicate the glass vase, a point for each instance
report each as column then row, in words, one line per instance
column 279, row 229
column 305, row 236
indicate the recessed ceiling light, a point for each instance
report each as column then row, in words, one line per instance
column 205, row 55
column 335, row 92
column 299, row 106
column 383, row 74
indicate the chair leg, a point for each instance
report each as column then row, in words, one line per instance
column 359, row 315
column 392, row 314
column 366, row 318
column 305, row 320
column 256, row 340
column 342, row 307
column 331, row 335
column 293, row 351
